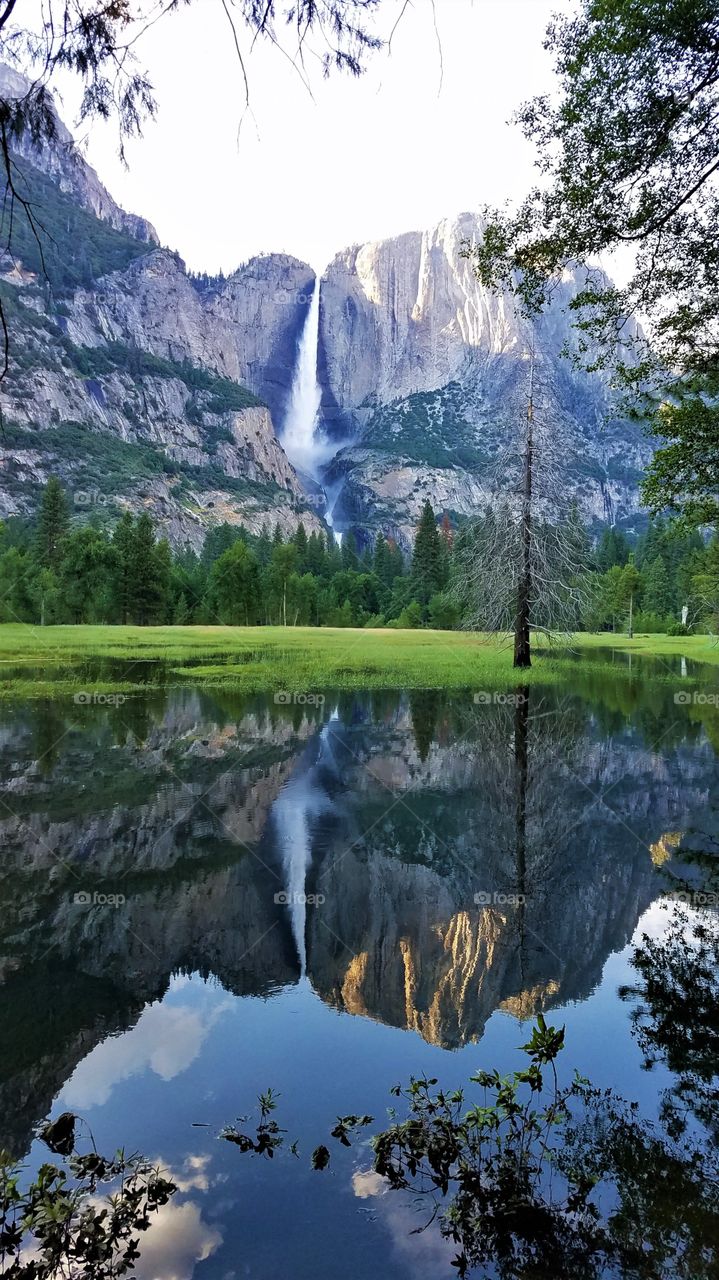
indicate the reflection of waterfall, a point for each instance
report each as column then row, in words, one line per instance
column 297, row 804
column 305, row 445
column 294, row 836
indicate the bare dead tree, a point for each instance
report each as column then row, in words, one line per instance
column 524, row 560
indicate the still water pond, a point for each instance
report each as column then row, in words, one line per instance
column 204, row 895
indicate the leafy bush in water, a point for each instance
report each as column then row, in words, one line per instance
column 538, row 1180
column 80, row 1217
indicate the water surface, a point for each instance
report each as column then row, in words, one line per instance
column 204, row 895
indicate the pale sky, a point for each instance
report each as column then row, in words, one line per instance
column 365, row 159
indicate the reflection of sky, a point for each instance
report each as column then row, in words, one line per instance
column 197, row 1060
column 176, row 1241
column 166, row 1039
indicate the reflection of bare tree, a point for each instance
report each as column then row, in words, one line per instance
column 470, row 872
column 528, row 744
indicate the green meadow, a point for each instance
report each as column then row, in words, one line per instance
column 54, row 661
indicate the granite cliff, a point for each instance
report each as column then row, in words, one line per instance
column 424, row 374
column 144, row 386
column 140, row 385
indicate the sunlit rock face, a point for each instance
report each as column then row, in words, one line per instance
column 426, row 371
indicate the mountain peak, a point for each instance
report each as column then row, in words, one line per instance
column 60, row 160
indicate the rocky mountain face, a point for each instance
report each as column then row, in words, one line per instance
column 143, row 386
column 425, row 375
column 60, row 160
column 139, row 385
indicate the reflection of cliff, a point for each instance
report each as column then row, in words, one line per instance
column 413, row 839
column 186, row 856
column 419, row 929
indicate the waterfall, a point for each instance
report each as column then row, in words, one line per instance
column 299, row 438
column 303, row 439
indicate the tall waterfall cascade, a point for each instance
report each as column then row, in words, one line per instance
column 303, row 440
column 299, row 437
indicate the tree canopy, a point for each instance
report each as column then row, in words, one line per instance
column 628, row 155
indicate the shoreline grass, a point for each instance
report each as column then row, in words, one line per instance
column 267, row 659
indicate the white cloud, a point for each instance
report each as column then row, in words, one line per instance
column 177, row 1239
column 166, row 1039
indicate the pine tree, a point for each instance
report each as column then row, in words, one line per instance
column 396, row 559
column 85, row 575
column 300, row 541
column 630, row 586
column 427, row 568
column 52, row 526
column 281, row 567
column 218, row 539
column 150, row 573
column 123, row 545
column 350, row 559
column 316, row 554
column 381, row 562
column 181, row 612
column 263, row 546
column 613, row 549
column 234, row 593
column 657, row 589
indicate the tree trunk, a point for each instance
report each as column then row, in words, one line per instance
column 522, row 652
column 521, row 766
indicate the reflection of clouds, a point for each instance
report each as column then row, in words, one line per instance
column 427, row 1252
column 166, row 1039
column 176, row 1240
column 368, row 1183
column 192, row 1175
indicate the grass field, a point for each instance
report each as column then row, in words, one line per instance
column 54, row 661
